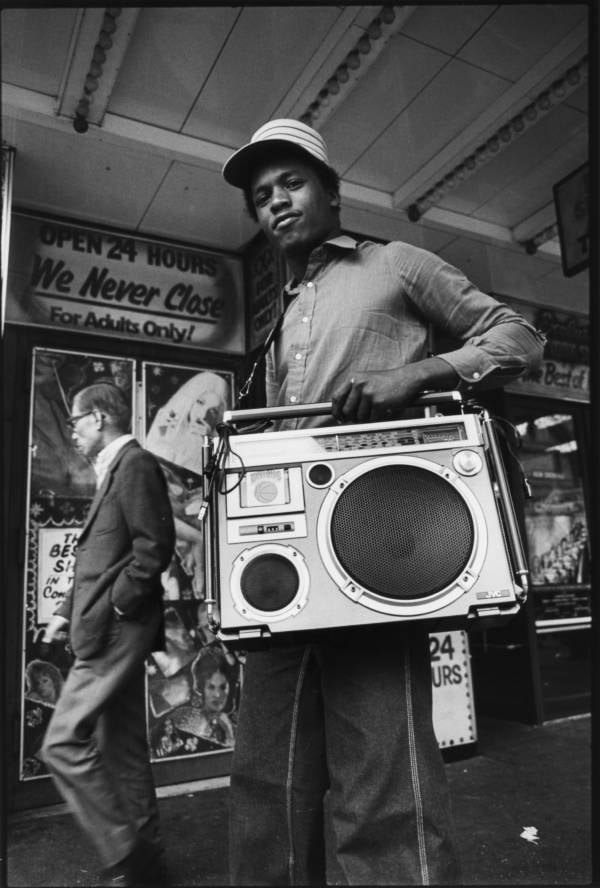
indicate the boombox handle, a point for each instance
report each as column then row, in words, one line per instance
column 207, row 516
column 506, row 503
column 426, row 399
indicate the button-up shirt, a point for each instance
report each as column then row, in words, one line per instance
column 367, row 306
column 106, row 456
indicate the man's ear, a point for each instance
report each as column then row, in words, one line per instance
column 334, row 199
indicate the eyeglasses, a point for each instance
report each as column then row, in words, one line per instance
column 73, row 420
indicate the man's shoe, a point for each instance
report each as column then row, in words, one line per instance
column 144, row 867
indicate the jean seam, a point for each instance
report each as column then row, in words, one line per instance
column 414, row 772
column 290, row 773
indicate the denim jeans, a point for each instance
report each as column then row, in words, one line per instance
column 351, row 715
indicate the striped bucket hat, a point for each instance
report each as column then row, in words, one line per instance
column 275, row 134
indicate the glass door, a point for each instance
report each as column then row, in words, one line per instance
column 552, row 453
column 193, row 686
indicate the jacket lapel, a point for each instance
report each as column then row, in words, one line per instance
column 101, row 492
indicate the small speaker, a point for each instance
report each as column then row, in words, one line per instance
column 355, row 525
column 270, row 580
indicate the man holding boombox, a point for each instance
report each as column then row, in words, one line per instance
column 351, row 714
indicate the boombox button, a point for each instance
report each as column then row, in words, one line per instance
column 320, row 475
column 467, row 462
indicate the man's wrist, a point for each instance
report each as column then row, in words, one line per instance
column 433, row 373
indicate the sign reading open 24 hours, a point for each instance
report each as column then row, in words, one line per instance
column 106, row 283
column 453, row 706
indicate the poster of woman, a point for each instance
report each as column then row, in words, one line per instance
column 182, row 405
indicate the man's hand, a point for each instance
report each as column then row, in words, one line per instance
column 370, row 395
column 56, row 630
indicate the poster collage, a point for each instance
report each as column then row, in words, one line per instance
column 193, row 686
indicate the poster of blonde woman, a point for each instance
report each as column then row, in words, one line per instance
column 181, row 406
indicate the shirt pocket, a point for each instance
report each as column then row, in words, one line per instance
column 375, row 341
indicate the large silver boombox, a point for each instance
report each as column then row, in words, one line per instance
column 351, row 525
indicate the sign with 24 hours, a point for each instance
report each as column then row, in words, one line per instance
column 91, row 280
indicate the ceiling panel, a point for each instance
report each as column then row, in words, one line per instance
column 447, row 27
column 104, row 183
column 579, row 99
column 518, row 182
column 199, row 210
column 517, row 35
column 266, row 52
column 34, row 47
column 398, row 75
column 531, row 191
column 442, row 110
column 169, row 60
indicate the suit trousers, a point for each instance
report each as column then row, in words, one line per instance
column 96, row 745
column 351, row 717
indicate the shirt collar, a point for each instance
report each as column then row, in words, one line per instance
column 341, row 241
column 344, row 241
column 107, row 454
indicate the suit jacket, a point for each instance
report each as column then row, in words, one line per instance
column 125, row 544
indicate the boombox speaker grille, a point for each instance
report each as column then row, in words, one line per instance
column 269, row 582
column 402, row 532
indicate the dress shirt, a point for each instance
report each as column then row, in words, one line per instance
column 367, row 306
column 106, row 456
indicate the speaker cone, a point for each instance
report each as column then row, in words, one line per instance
column 269, row 582
column 402, row 531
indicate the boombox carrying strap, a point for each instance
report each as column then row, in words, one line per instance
column 273, row 334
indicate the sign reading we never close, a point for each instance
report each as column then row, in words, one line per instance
column 106, row 283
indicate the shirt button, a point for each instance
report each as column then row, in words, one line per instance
column 293, row 399
column 310, row 284
column 476, row 375
column 305, row 320
column 298, row 356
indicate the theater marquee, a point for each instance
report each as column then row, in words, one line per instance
column 91, row 280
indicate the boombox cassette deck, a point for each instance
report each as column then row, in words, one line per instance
column 350, row 525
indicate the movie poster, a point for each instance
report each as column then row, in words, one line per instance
column 61, row 486
column 194, row 685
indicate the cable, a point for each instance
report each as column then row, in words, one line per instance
column 214, row 466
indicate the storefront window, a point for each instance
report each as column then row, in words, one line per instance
column 555, row 519
column 193, row 686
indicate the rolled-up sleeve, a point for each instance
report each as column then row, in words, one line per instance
column 497, row 343
column 504, row 352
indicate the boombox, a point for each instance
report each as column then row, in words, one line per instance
column 353, row 525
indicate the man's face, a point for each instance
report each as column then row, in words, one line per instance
column 294, row 210
column 86, row 429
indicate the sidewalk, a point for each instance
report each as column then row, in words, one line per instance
column 523, row 776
